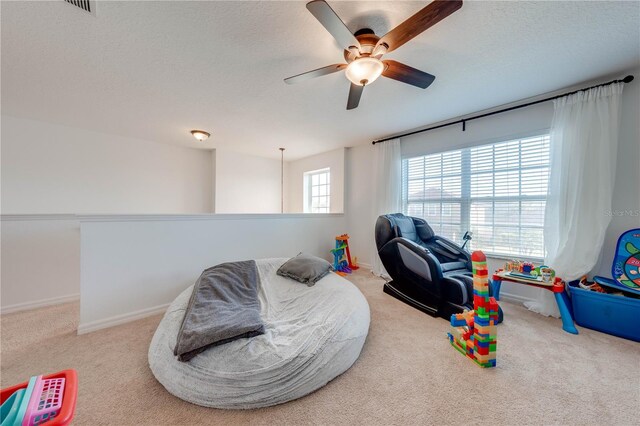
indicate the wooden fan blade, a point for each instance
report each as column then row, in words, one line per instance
column 406, row 74
column 427, row 17
column 355, row 92
column 315, row 73
column 332, row 22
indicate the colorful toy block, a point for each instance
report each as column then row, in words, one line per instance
column 342, row 263
column 474, row 333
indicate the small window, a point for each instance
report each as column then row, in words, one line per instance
column 317, row 191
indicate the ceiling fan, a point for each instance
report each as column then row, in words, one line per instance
column 363, row 49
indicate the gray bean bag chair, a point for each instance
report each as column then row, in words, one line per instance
column 313, row 334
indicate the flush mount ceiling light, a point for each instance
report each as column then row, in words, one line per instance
column 364, row 70
column 200, row 135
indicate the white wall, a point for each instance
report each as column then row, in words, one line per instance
column 47, row 168
column 625, row 213
column 533, row 120
column 135, row 266
column 334, row 160
column 40, row 261
column 247, row 183
column 527, row 121
column 359, row 202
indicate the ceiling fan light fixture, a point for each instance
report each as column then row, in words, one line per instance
column 364, row 70
column 380, row 50
column 200, row 135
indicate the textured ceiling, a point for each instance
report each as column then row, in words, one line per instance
column 155, row 70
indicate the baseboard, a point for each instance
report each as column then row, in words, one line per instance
column 515, row 298
column 364, row 265
column 36, row 217
column 39, row 303
column 121, row 319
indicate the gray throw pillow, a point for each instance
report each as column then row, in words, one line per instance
column 305, row 268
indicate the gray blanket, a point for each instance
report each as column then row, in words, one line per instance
column 224, row 307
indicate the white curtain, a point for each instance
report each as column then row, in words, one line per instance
column 584, row 146
column 387, row 189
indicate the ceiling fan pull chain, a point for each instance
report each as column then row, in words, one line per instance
column 464, row 125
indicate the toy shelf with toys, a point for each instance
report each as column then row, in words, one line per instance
column 526, row 273
column 609, row 305
column 612, row 305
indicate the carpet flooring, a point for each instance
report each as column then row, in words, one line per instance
column 407, row 373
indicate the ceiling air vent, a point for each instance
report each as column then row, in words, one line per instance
column 86, row 5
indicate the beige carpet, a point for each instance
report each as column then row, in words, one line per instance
column 407, row 373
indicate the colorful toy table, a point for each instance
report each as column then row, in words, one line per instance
column 557, row 287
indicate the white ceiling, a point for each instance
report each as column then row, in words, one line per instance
column 155, row 70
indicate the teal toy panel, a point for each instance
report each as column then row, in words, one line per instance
column 626, row 263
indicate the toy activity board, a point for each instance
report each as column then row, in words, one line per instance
column 625, row 269
column 626, row 263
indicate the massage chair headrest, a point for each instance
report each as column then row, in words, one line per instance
column 404, row 226
column 425, row 232
column 394, row 225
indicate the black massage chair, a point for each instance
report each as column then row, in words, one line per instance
column 428, row 272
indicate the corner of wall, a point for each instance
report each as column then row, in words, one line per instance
column 214, row 190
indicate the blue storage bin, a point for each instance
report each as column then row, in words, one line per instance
column 617, row 315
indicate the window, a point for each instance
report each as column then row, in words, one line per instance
column 317, row 191
column 497, row 191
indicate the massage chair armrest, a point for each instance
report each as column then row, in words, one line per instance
column 417, row 259
column 453, row 249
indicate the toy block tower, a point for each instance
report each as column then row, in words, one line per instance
column 474, row 333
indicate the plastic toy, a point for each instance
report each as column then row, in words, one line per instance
column 342, row 262
column 586, row 285
column 547, row 274
column 556, row 286
column 345, row 238
column 615, row 312
column 474, row 333
column 625, row 269
column 49, row 400
column 521, row 267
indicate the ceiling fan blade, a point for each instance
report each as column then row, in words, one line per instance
column 427, row 17
column 315, row 73
column 332, row 22
column 406, row 74
column 355, row 92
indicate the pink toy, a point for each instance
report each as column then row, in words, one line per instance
column 46, row 402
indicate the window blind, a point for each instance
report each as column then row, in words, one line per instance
column 498, row 191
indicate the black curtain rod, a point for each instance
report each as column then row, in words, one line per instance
column 463, row 121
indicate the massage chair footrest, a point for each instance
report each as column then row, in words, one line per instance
column 391, row 290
